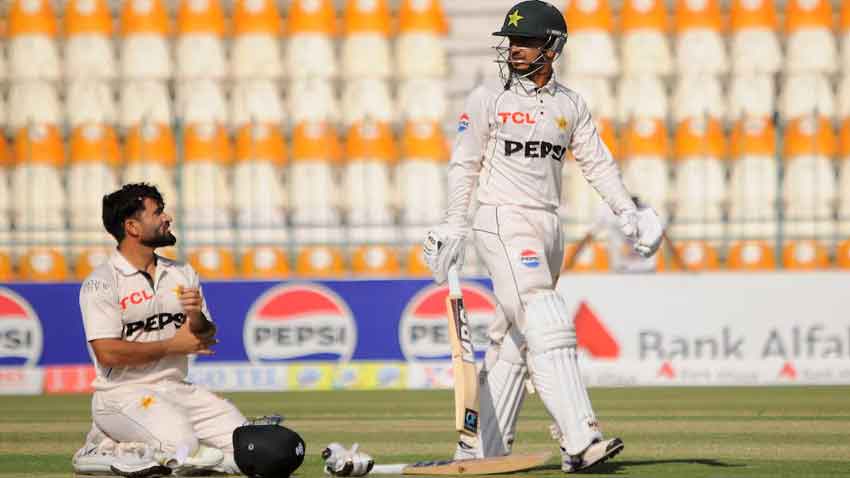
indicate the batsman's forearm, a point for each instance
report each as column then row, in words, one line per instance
column 200, row 326
column 120, row 353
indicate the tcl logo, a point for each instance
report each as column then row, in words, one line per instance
column 136, row 298
column 517, row 118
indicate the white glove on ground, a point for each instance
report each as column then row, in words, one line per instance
column 444, row 245
column 643, row 227
column 342, row 462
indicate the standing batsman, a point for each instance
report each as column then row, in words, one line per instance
column 513, row 138
column 143, row 316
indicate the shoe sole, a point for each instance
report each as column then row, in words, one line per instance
column 613, row 449
column 155, row 471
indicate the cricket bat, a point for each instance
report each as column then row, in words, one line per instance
column 463, row 361
column 480, row 466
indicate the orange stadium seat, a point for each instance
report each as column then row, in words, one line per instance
column 696, row 256
column 593, row 258
column 6, row 272
column 265, row 262
column 150, row 155
column 88, row 260
column 40, row 264
column 644, row 163
column 750, row 255
column 32, row 31
column 199, row 48
column 319, row 261
column 700, row 33
column 420, row 177
column 844, row 36
column 810, row 45
column 256, row 40
column 805, row 255
column 755, row 43
column 145, row 28
column 213, row 262
column 366, row 46
column 753, row 184
column 645, row 49
column 88, row 47
column 419, row 48
column 842, row 255
column 375, row 260
column 311, row 27
column 371, row 153
column 416, row 266
column 590, row 49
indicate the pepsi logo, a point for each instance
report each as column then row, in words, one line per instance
column 529, row 258
column 424, row 328
column 299, row 322
column 20, row 331
column 463, row 123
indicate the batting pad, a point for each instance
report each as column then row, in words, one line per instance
column 501, row 396
column 553, row 362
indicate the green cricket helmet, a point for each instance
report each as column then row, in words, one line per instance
column 536, row 19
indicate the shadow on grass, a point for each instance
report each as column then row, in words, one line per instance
column 613, row 467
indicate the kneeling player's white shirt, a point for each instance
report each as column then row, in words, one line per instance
column 119, row 301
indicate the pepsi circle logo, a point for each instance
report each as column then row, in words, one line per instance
column 299, row 322
column 529, row 258
column 424, row 328
column 20, row 331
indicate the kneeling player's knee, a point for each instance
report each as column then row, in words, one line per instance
column 548, row 324
column 180, row 442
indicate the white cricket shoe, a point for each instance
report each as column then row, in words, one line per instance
column 597, row 452
column 203, row 461
column 137, row 462
column 468, row 448
column 92, row 460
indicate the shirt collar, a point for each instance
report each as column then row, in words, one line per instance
column 121, row 263
column 526, row 86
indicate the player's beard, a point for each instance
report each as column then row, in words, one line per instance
column 160, row 239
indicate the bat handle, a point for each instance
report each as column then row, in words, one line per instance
column 454, row 281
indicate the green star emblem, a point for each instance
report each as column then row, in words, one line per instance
column 514, row 18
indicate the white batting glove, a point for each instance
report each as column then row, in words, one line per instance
column 444, row 245
column 643, row 227
column 340, row 461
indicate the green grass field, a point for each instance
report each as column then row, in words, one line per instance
column 669, row 432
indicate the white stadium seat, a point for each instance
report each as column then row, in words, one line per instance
column 751, row 96
column 199, row 47
column 33, row 51
column 33, row 102
column 145, row 49
column 641, row 96
column 89, row 101
column 806, row 95
column 201, row 101
column 810, row 45
column 420, row 49
column 145, row 101
column 256, row 40
column 312, row 100
column 590, row 50
column 256, row 101
column 89, row 52
column 698, row 95
column 597, row 92
column 311, row 27
column 645, row 48
column 755, row 41
column 367, row 98
column 700, row 46
column 423, row 100
column 366, row 50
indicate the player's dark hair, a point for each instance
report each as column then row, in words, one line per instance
column 126, row 203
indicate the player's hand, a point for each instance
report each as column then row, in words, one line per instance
column 184, row 342
column 643, row 227
column 191, row 301
column 444, row 245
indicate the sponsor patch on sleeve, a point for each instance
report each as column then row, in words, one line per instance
column 463, row 123
column 529, row 259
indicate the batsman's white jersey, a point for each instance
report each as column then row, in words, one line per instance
column 514, row 142
column 151, row 403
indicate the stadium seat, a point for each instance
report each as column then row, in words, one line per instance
column 256, row 40
column 645, row 169
column 844, row 36
column 32, row 30
column 256, row 101
column 645, row 48
column 416, row 266
column 805, row 255
column 90, row 259
column 421, row 181
column 753, row 186
column 700, row 46
column 145, row 51
column 201, row 101
column 320, row 262
column 596, row 91
column 698, row 95
column 641, row 96
column 696, row 255
column 206, row 193
column 755, row 42
column 842, row 255
column 311, row 27
column 265, row 262
column 590, row 50
column 700, row 184
column 844, row 182
column 423, row 100
column 751, row 255
column 420, row 50
column 5, row 211
column 312, row 101
column 806, row 95
column 95, row 157
column 314, row 193
column 150, row 156
column 145, row 101
column 843, row 98
column 367, row 99
column 33, row 103
column 89, row 53
column 216, row 263
column 810, row 44
column 6, row 270
column 369, row 196
column 593, row 258
column 366, row 46
column 751, row 95
column 90, row 102
column 199, row 47
column 43, row 264
column 259, row 198
column 375, row 260
column 580, row 201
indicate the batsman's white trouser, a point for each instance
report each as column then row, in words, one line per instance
column 174, row 417
column 523, row 251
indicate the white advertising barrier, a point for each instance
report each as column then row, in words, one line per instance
column 21, row 380
column 712, row 329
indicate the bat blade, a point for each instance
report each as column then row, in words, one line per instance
column 463, row 361
column 479, row 466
